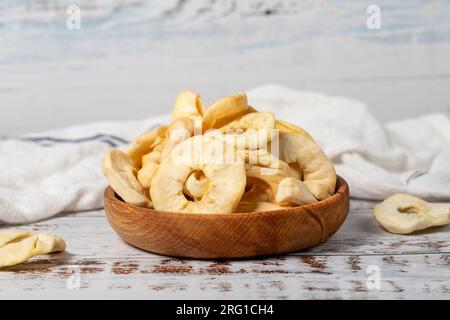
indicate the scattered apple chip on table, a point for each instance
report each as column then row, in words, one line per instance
column 17, row 246
column 404, row 213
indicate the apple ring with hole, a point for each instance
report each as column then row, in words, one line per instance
column 297, row 146
column 264, row 171
column 144, row 144
column 404, row 213
column 225, row 179
column 179, row 130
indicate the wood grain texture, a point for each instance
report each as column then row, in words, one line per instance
column 289, row 277
column 99, row 264
column 235, row 235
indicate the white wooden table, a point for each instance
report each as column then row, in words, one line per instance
column 98, row 264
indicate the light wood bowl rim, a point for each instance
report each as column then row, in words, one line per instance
column 328, row 215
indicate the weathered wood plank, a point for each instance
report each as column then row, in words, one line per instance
column 303, row 277
column 98, row 263
column 360, row 235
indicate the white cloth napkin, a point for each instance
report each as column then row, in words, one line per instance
column 47, row 173
column 59, row 171
column 377, row 160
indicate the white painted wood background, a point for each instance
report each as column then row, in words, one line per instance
column 131, row 57
column 98, row 264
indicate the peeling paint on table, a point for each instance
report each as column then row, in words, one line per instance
column 99, row 264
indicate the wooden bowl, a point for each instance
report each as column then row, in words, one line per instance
column 228, row 235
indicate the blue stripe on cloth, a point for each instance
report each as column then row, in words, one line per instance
column 415, row 175
column 48, row 141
